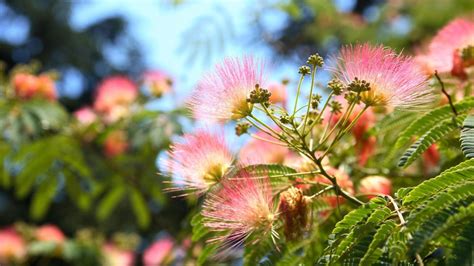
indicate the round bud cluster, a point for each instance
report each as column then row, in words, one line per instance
column 315, row 60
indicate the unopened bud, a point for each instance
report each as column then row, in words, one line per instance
column 336, row 86
column 315, row 60
column 358, row 85
column 259, row 95
column 336, row 107
column 242, row 128
column 304, row 70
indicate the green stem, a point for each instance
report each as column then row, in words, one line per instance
column 322, row 191
column 343, row 131
column 297, row 95
column 313, row 74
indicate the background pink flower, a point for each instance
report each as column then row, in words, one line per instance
column 258, row 151
column 85, row 115
column 448, row 44
column 12, row 246
column 116, row 256
column 157, row 82
column 51, row 233
column 375, row 185
column 28, row 86
column 113, row 97
column 155, row 254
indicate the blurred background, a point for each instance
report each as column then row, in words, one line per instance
column 86, row 41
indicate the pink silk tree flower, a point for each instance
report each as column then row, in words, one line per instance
column 375, row 185
column 258, row 151
column 395, row 81
column 445, row 50
column 243, row 207
column 279, row 93
column 222, row 95
column 28, row 86
column 85, row 115
column 157, row 82
column 199, row 160
column 116, row 256
column 113, row 97
column 155, row 254
column 50, row 233
column 12, row 246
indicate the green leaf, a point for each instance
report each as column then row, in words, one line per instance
column 199, row 230
column 464, row 245
column 467, row 137
column 424, row 142
column 280, row 176
column 375, row 251
column 110, row 201
column 449, row 178
column 43, row 197
column 140, row 208
column 427, row 121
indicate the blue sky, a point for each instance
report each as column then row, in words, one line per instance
column 160, row 29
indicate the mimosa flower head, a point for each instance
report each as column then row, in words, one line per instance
column 448, row 45
column 242, row 207
column 114, row 95
column 222, row 95
column 157, row 82
column 260, row 151
column 373, row 185
column 199, row 160
column 392, row 80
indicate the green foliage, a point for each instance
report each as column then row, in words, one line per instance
column 430, row 137
column 467, row 137
column 426, row 123
column 434, row 211
column 21, row 121
column 42, row 166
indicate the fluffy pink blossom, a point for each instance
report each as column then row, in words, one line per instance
column 51, row 233
column 375, row 185
column 29, row 86
column 155, row 254
column 447, row 46
column 116, row 256
column 242, row 207
column 12, row 246
column 157, row 82
column 114, row 96
column 395, row 80
column 258, row 151
column 278, row 91
column 221, row 95
column 199, row 160
column 85, row 115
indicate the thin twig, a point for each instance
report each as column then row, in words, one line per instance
column 403, row 223
column 446, row 93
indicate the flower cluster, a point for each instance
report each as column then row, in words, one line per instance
column 394, row 80
column 244, row 201
column 29, row 86
column 445, row 52
column 222, row 95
